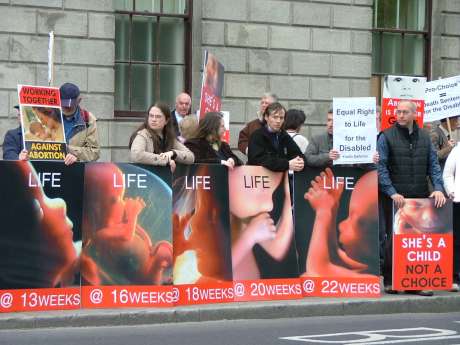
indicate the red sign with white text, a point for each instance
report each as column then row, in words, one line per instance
column 389, row 106
column 39, row 299
column 219, row 292
column 129, row 296
column 422, row 262
column 340, row 287
column 267, row 289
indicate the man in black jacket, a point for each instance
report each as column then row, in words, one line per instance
column 407, row 158
column 271, row 146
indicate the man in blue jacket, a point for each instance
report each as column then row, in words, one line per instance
column 13, row 144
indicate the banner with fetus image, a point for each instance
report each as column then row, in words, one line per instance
column 336, row 217
column 41, row 122
column 40, row 211
column 422, row 246
column 127, row 251
column 263, row 250
column 201, row 234
column 212, row 85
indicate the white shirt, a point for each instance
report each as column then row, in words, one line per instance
column 451, row 173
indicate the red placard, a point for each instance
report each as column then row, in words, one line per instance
column 39, row 299
column 389, row 106
column 340, row 287
column 129, row 296
column 40, row 96
column 422, row 262
column 267, row 289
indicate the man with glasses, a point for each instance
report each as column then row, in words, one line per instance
column 407, row 158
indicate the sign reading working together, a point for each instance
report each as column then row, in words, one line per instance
column 41, row 122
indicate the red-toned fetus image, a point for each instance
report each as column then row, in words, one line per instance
column 119, row 246
column 201, row 228
column 37, row 245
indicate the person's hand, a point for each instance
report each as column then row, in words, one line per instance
column 324, row 198
column 398, row 200
column 70, row 159
column 334, row 155
column 172, row 165
column 451, row 142
column 133, row 207
column 24, row 155
column 261, row 228
column 439, row 198
column 451, row 195
column 375, row 157
column 167, row 155
column 230, row 163
column 296, row 164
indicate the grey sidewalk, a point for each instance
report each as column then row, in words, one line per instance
column 387, row 304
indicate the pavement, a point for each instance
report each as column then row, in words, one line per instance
column 441, row 302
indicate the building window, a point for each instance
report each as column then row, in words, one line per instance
column 152, row 53
column 401, row 39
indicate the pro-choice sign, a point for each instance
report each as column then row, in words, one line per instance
column 442, row 99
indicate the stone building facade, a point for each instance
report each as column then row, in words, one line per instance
column 304, row 51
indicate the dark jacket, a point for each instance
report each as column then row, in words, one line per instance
column 204, row 153
column 272, row 150
column 12, row 144
column 406, row 160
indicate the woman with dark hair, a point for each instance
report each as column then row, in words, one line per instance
column 155, row 143
column 207, row 145
column 271, row 147
column 294, row 121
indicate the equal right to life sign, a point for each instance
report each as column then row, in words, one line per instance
column 422, row 246
column 442, row 99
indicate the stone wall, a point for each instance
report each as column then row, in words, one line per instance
column 304, row 51
column 84, row 54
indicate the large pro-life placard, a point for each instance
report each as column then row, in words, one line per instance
column 336, row 217
column 396, row 88
column 40, row 211
column 263, row 245
column 127, row 236
column 422, row 246
column 41, row 122
column 355, row 129
column 201, row 234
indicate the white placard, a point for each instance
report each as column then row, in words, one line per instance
column 355, row 129
column 442, row 99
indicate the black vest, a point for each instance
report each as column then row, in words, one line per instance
column 408, row 160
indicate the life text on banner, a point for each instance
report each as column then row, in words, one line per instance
column 337, row 231
column 422, row 246
column 39, row 299
column 129, row 296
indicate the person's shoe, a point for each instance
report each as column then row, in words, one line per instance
column 390, row 291
column 426, row 293
column 454, row 288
